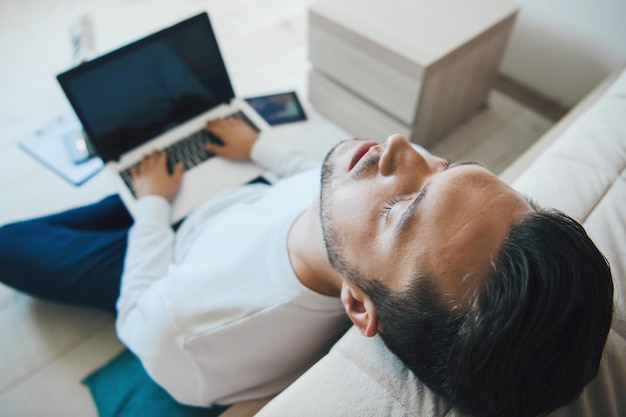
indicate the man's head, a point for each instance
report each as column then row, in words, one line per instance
column 485, row 299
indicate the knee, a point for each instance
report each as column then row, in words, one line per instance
column 19, row 238
column 9, row 232
column 13, row 246
column 11, row 236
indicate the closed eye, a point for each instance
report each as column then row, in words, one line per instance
column 390, row 203
column 446, row 164
column 450, row 163
column 410, row 210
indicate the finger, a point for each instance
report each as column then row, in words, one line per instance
column 135, row 170
column 148, row 161
column 214, row 148
column 161, row 158
column 213, row 122
column 179, row 169
column 154, row 159
column 145, row 162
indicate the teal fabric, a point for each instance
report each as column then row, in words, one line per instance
column 122, row 388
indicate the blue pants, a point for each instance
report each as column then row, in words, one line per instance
column 73, row 257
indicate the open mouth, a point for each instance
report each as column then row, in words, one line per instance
column 360, row 152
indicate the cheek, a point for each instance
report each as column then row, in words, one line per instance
column 356, row 223
column 356, row 205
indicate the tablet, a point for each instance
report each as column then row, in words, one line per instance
column 278, row 108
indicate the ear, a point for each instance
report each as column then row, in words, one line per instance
column 360, row 309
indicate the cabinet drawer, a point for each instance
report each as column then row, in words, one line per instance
column 351, row 112
column 367, row 75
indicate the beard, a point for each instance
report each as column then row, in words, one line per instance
column 332, row 239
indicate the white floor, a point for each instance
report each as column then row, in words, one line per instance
column 46, row 349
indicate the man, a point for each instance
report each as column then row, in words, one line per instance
column 486, row 299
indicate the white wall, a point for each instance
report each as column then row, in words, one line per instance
column 563, row 48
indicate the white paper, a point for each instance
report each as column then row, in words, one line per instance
column 47, row 145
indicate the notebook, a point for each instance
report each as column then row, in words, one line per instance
column 157, row 93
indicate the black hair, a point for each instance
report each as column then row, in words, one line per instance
column 530, row 337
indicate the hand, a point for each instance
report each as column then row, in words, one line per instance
column 237, row 137
column 150, row 177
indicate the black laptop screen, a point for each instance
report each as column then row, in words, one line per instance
column 128, row 96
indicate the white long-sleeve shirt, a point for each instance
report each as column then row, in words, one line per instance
column 215, row 312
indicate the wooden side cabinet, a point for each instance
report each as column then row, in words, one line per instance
column 420, row 67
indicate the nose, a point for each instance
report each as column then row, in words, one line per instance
column 400, row 156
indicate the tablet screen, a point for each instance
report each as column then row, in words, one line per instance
column 278, row 108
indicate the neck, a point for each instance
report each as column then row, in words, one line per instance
column 308, row 256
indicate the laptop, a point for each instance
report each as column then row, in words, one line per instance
column 158, row 93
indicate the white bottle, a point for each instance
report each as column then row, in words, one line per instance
column 83, row 41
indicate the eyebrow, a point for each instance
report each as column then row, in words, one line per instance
column 412, row 208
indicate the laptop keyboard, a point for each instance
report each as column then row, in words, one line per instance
column 190, row 150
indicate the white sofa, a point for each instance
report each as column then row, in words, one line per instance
column 577, row 167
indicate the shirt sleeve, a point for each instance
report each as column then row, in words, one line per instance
column 282, row 161
column 149, row 251
column 144, row 323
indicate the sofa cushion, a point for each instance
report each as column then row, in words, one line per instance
column 578, row 169
column 358, row 377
